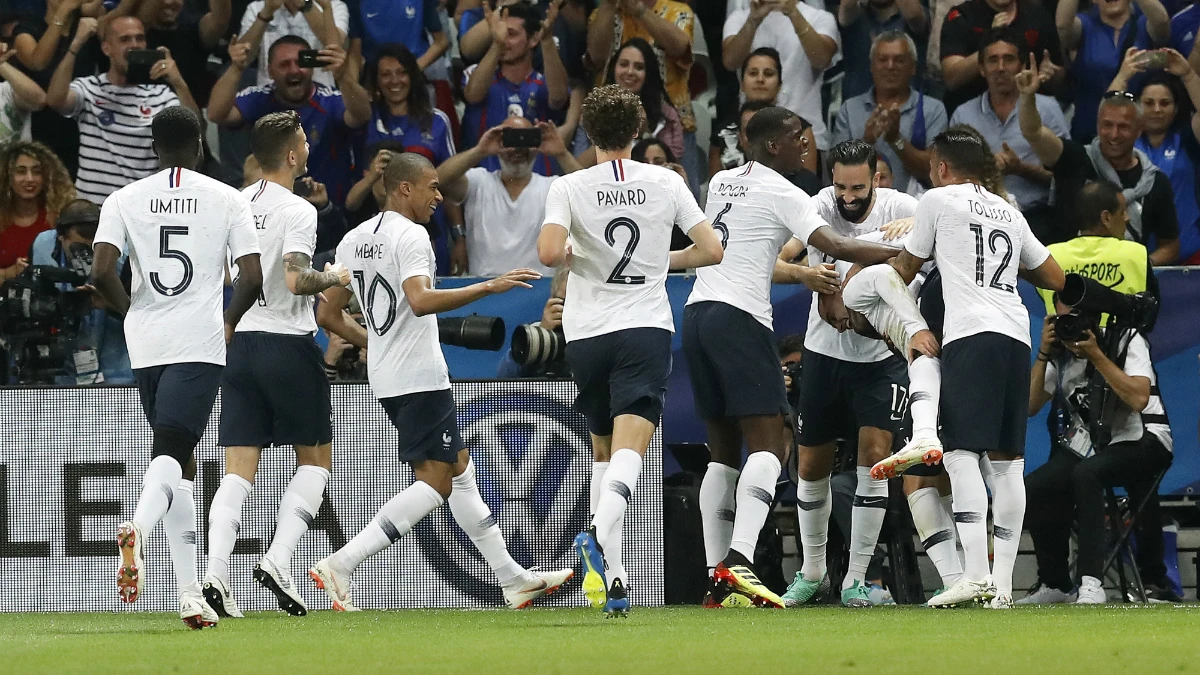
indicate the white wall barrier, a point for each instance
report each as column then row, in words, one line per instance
column 71, row 462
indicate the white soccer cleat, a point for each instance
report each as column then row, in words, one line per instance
column 1091, row 592
column 539, row 584
column 922, row 451
column 964, row 592
column 194, row 611
column 129, row 569
column 335, row 585
column 1045, row 595
column 218, row 596
column 1001, row 601
column 280, row 583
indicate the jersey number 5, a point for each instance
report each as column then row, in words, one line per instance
column 165, row 251
column 618, row 275
column 992, row 239
column 366, row 298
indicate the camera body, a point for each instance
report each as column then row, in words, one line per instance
column 39, row 322
column 521, row 138
column 140, row 61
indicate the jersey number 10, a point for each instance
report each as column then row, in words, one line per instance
column 366, row 298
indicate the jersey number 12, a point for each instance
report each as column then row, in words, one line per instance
column 992, row 239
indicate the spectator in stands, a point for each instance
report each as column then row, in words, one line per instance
column 1150, row 202
column 114, row 116
column 505, row 84
column 891, row 116
column 963, row 34
column 503, row 208
column 20, row 96
column 265, row 21
column 412, row 23
column 994, row 115
column 401, row 109
column 569, row 28
column 862, row 21
column 1099, row 38
column 329, row 117
column 667, row 25
column 636, row 69
column 1169, row 136
column 807, row 40
column 34, row 188
column 191, row 38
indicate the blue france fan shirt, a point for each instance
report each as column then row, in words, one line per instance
column 1097, row 62
column 436, row 143
column 1184, row 26
column 406, row 22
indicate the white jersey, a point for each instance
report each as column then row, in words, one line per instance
column 285, row 224
column 820, row 337
column 755, row 211
column 978, row 240
column 176, row 225
column 619, row 216
column 403, row 353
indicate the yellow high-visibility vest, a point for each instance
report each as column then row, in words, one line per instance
column 1116, row 263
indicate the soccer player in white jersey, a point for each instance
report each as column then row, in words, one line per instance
column 980, row 243
column 730, row 345
column 274, row 390
column 392, row 264
column 176, row 226
column 612, row 224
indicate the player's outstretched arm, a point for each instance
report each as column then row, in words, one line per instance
column 850, row 249
column 706, row 249
column 424, row 299
column 105, row 278
column 245, row 291
column 302, row 279
column 332, row 316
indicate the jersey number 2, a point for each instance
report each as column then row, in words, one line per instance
column 165, row 251
column 995, row 236
column 366, row 298
column 618, row 275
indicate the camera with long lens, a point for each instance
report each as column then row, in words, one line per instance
column 534, row 345
column 472, row 332
column 39, row 321
column 793, row 371
column 1090, row 300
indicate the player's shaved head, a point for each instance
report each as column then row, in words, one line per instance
column 176, row 135
column 775, row 138
column 273, row 137
column 412, row 186
column 405, row 167
column 767, row 124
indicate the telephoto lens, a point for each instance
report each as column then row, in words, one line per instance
column 533, row 344
column 472, row 332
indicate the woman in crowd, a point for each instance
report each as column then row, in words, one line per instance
column 1170, row 127
column 636, row 69
column 35, row 187
column 760, row 85
column 401, row 110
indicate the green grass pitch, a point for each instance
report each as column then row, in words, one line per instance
column 1130, row 639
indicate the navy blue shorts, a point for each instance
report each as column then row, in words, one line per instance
column 620, row 373
column 274, row 392
column 837, row 398
column 985, row 394
column 179, row 395
column 427, row 425
column 733, row 363
column 932, row 303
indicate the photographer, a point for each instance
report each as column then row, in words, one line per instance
column 538, row 348
column 1079, row 469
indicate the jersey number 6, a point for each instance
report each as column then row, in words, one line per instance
column 165, row 251
column 618, row 275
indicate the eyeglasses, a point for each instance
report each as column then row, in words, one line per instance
column 1108, row 95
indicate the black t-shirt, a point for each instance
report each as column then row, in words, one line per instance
column 1074, row 168
column 967, row 24
column 190, row 54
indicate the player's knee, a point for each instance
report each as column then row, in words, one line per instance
column 189, row 470
column 873, row 445
column 438, row 475
column 646, row 407
column 175, row 443
column 814, row 463
column 315, row 455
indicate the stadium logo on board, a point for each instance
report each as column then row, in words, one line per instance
column 532, row 464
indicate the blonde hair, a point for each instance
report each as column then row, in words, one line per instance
column 57, row 188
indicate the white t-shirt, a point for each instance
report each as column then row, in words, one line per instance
column 1127, row 424
column 285, row 224
column 801, row 92
column 176, row 226
column 755, row 211
column 619, row 216
column 14, row 120
column 502, row 234
column 978, row 240
column 820, row 337
column 403, row 353
column 286, row 23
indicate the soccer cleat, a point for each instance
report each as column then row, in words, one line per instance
column 1046, row 595
column 857, row 596
column 595, row 586
column 1001, row 601
column 802, row 591
column 194, row 611
column 539, row 584
column 617, row 602
column 719, row 595
column 963, row 593
column 129, row 570
column 741, row 579
column 217, row 595
column 336, row 586
column 1091, row 592
column 279, row 582
column 923, row 451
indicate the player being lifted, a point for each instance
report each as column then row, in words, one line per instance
column 274, row 390
column 177, row 226
column 730, row 344
column 980, row 243
column 391, row 261
column 612, row 224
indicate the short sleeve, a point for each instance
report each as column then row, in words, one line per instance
column 826, row 24
column 81, row 97
column 111, row 229
column 924, row 233
column 335, row 108
column 414, row 256
column 1137, row 360
column 1051, row 384
column 243, row 239
column 250, row 15
column 687, row 211
column 1052, row 117
column 341, row 16
column 301, row 234
column 469, row 19
column 1033, row 252
column 798, row 212
column 841, row 123
column 433, row 23
column 734, row 23
column 956, row 35
column 936, row 119
column 558, row 205
column 443, row 140
column 252, row 104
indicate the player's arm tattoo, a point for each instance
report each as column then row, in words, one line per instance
column 306, row 280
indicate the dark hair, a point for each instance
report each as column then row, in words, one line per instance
column 769, row 52
column 767, row 124
column 419, row 109
column 968, row 153
column 273, row 136
column 176, row 133
column 395, row 147
column 80, row 215
column 405, row 167
column 1003, row 35
column 653, row 91
column 1096, row 197
column 530, row 16
column 791, row 344
column 612, row 116
column 1183, row 102
column 286, row 40
column 853, row 153
column 640, row 148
